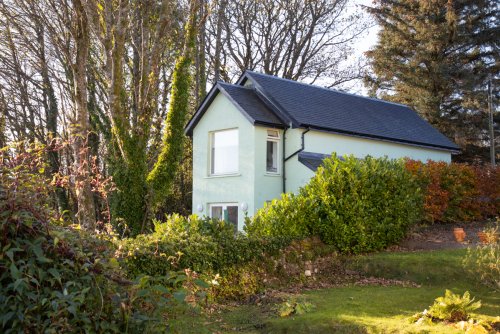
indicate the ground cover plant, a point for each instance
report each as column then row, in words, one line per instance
column 451, row 308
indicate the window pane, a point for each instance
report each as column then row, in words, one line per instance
column 224, row 152
column 232, row 215
column 272, row 157
column 216, row 212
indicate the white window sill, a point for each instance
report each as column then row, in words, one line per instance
column 221, row 175
column 272, row 174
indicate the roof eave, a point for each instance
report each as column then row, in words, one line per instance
column 188, row 129
column 270, row 124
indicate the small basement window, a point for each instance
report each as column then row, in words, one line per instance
column 225, row 211
column 272, row 151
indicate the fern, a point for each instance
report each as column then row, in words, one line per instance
column 453, row 307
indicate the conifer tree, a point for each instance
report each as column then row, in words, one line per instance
column 436, row 56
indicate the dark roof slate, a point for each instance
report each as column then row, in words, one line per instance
column 252, row 105
column 331, row 110
column 312, row 160
column 278, row 102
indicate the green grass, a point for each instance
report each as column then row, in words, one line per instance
column 370, row 309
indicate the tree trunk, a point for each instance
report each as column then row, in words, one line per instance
column 51, row 113
column 86, row 216
column 201, row 76
column 3, row 121
column 218, row 42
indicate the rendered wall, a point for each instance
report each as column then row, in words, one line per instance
column 323, row 142
column 237, row 188
column 267, row 186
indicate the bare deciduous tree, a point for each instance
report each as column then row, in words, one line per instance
column 298, row 40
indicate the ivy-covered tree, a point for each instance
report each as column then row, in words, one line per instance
column 161, row 178
column 436, row 56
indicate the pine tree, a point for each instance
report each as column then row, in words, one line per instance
column 436, row 56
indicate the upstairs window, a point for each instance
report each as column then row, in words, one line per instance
column 224, row 152
column 272, row 151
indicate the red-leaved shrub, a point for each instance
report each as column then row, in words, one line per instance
column 457, row 192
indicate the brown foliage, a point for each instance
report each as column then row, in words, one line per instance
column 457, row 192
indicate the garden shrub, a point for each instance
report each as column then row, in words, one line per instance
column 457, row 192
column 201, row 244
column 239, row 282
column 287, row 216
column 483, row 261
column 355, row 205
column 60, row 279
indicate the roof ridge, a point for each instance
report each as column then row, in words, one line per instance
column 329, row 89
column 232, row 85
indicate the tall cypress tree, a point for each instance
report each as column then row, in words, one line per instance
column 436, row 56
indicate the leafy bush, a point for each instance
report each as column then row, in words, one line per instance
column 483, row 262
column 294, row 306
column 55, row 279
column 289, row 216
column 451, row 307
column 457, row 192
column 239, row 282
column 203, row 245
column 355, row 205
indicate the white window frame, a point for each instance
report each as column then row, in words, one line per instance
column 275, row 139
column 211, row 135
column 224, row 207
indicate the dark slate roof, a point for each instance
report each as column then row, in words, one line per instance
column 312, row 160
column 278, row 102
column 247, row 99
column 326, row 109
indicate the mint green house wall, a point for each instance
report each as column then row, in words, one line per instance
column 252, row 185
column 267, row 186
column 323, row 142
column 237, row 188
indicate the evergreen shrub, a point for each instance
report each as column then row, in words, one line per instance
column 201, row 244
column 60, row 279
column 357, row 205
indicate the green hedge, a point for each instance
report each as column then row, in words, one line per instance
column 355, row 205
column 203, row 245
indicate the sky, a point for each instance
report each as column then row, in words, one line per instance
column 368, row 40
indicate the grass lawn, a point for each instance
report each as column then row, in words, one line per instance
column 369, row 309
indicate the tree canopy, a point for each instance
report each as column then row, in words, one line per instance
column 437, row 57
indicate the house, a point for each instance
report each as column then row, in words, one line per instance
column 264, row 135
